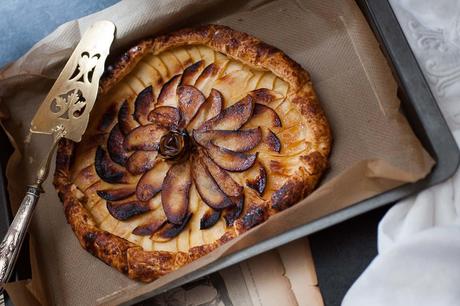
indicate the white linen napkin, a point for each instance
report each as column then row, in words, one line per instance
column 419, row 238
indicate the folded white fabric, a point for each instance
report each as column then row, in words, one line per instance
column 419, row 238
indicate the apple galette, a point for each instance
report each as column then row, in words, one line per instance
column 196, row 137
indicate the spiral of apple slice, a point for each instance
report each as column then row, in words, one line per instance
column 175, row 192
column 237, row 141
column 115, row 146
column 127, row 209
column 143, row 105
column 125, row 119
column 141, row 161
column 225, row 140
column 146, row 138
column 167, row 117
column 116, row 194
column 107, row 170
column 232, row 117
column 207, row 187
column 263, row 116
column 190, row 101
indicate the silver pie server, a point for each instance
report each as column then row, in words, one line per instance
column 64, row 113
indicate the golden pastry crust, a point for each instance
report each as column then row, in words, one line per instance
column 131, row 258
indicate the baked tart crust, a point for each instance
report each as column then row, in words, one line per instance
column 197, row 136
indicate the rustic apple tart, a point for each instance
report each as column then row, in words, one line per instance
column 196, row 137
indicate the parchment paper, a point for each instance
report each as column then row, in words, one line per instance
column 374, row 148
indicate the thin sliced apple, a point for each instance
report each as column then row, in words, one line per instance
column 237, row 141
column 209, row 218
column 232, row 213
column 232, row 84
column 271, row 141
column 175, row 192
column 190, row 101
column 191, row 73
column 264, row 116
column 116, row 194
column 171, row 62
column 257, row 178
column 108, row 118
column 147, row 229
column 265, row 96
column 107, row 170
column 143, row 105
column 165, row 116
column 167, row 96
column 232, row 117
column 206, row 78
column 222, row 178
column 141, row 161
column 152, row 181
column 210, row 108
column 115, row 146
column 125, row 118
column 128, row 209
column 170, row 230
column 230, row 160
column 207, row 187
column 146, row 138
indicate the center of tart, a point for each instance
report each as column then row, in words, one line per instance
column 175, row 145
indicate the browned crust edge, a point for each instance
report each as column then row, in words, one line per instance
column 147, row 266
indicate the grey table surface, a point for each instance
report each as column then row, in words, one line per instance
column 25, row 22
column 341, row 252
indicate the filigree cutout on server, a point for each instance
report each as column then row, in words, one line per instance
column 72, row 96
column 163, row 146
column 69, row 105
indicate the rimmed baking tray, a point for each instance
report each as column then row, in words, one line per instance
column 421, row 111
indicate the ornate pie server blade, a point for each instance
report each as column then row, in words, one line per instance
column 63, row 113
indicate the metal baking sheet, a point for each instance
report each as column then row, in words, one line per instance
column 421, row 111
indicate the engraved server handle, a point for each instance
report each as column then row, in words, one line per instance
column 11, row 244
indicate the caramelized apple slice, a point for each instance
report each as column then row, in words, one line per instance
column 238, row 141
column 107, row 118
column 171, row 230
column 125, row 118
column 264, row 116
column 107, row 170
column 231, row 118
column 232, row 213
column 146, row 138
column 191, row 73
column 147, row 229
column 143, row 105
column 271, row 141
column 207, row 78
column 210, row 108
column 265, row 96
column 165, row 116
column 209, row 218
column 128, row 209
column 151, row 182
column 115, row 146
column 207, row 187
column 222, row 178
column 230, row 160
column 190, row 100
column 175, row 192
column 167, row 96
column 257, row 178
column 116, row 194
column 141, row 161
